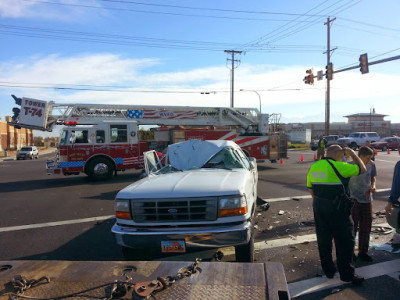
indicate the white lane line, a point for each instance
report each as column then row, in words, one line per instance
column 50, row 224
column 307, row 196
column 309, row 286
column 101, row 218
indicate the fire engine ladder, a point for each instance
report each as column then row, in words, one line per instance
column 247, row 118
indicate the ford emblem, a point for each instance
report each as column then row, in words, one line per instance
column 172, row 210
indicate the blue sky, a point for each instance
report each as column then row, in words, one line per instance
column 164, row 52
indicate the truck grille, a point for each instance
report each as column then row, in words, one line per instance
column 174, row 210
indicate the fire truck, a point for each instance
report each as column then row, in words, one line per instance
column 100, row 139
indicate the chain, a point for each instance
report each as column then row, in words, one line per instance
column 188, row 271
column 21, row 283
column 114, row 290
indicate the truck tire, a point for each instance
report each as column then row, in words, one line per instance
column 353, row 146
column 245, row 253
column 100, row 168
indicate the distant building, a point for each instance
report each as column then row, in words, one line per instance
column 356, row 122
column 11, row 138
column 370, row 122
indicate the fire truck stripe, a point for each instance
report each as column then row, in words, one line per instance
column 156, row 114
column 71, row 164
column 229, row 136
column 251, row 141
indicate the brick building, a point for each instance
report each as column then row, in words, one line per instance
column 11, row 138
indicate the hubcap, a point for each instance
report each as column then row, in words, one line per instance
column 100, row 169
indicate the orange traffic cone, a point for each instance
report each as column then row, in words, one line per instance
column 376, row 151
column 281, row 161
column 315, row 156
column 302, row 158
column 388, row 152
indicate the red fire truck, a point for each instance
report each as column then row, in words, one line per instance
column 99, row 140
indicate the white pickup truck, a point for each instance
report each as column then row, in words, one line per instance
column 205, row 196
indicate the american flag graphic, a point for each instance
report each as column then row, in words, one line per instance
column 161, row 114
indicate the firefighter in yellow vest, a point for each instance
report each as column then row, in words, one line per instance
column 332, row 210
column 321, row 147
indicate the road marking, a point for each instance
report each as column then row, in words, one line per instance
column 102, row 218
column 313, row 285
column 50, row 224
column 308, row 196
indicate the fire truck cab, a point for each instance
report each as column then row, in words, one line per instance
column 97, row 150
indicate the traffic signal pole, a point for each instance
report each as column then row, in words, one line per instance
column 328, row 80
column 233, row 61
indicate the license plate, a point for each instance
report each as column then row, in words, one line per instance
column 173, row 246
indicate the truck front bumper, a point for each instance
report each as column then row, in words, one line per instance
column 52, row 167
column 207, row 237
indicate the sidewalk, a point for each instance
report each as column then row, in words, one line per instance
column 12, row 154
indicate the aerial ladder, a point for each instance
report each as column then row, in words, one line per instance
column 44, row 115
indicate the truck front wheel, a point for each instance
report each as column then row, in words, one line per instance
column 100, row 168
column 245, row 253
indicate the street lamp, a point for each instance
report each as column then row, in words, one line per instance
column 371, row 111
column 259, row 97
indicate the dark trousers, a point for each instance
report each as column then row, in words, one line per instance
column 333, row 223
column 362, row 217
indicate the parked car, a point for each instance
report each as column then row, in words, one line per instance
column 28, row 152
column 205, row 196
column 331, row 139
column 390, row 142
column 358, row 139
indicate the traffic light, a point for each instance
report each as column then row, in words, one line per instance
column 329, row 71
column 364, row 63
column 309, row 79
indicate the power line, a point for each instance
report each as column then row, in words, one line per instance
column 370, row 25
column 160, row 12
column 68, row 35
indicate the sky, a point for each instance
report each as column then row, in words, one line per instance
column 174, row 52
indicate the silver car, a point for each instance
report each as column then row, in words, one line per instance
column 28, row 152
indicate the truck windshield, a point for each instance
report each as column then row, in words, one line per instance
column 225, row 159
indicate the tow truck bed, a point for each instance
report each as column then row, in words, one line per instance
column 217, row 280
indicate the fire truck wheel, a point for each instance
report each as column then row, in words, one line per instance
column 100, row 168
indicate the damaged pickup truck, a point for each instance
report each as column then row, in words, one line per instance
column 204, row 196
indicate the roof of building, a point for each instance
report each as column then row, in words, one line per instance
column 365, row 115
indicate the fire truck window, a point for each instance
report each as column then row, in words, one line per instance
column 81, row 136
column 119, row 134
column 100, row 136
column 63, row 139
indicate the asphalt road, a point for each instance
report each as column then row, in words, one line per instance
column 69, row 218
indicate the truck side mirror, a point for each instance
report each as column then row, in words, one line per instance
column 252, row 161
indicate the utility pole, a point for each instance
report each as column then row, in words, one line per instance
column 233, row 52
column 328, row 80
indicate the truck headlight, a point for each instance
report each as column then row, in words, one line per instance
column 122, row 210
column 232, row 206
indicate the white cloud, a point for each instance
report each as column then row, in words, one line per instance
column 99, row 69
column 72, row 12
column 351, row 92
